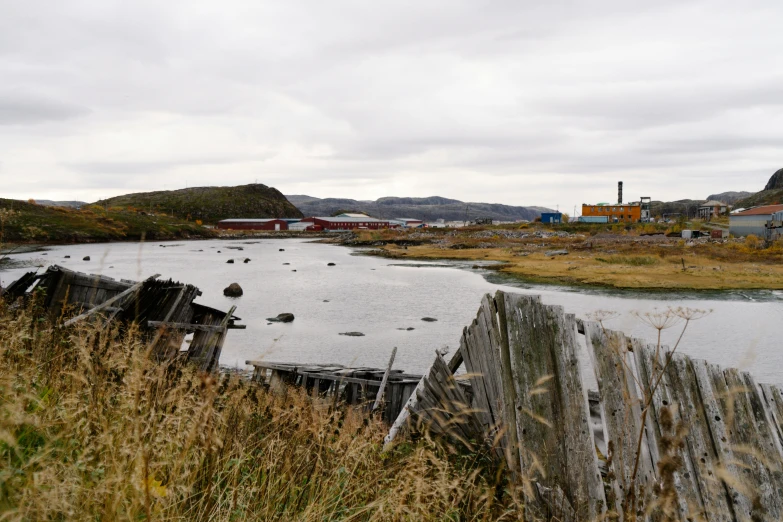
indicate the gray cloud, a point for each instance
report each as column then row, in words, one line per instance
column 25, row 109
column 506, row 101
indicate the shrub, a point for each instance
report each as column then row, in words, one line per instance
column 753, row 242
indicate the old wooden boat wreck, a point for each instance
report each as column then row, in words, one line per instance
column 164, row 309
column 665, row 436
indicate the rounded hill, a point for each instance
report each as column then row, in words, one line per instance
column 211, row 204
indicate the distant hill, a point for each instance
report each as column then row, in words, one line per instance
column 428, row 209
column 29, row 222
column 211, row 204
column 771, row 195
column 50, row 203
column 689, row 207
column 729, row 197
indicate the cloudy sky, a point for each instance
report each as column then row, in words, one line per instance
column 512, row 101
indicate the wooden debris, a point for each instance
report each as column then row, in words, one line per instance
column 164, row 309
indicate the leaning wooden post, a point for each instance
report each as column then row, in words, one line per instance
column 383, row 381
column 405, row 414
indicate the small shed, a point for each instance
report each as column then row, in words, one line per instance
column 551, row 217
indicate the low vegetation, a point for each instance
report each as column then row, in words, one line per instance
column 25, row 222
column 638, row 256
column 93, row 429
column 211, row 204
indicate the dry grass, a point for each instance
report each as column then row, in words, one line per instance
column 90, row 428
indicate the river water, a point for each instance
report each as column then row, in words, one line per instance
column 383, row 298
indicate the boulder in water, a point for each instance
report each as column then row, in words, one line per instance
column 330, row 264
column 230, row 261
column 281, row 318
column 233, row 290
column 353, row 334
column 429, row 319
column 86, row 258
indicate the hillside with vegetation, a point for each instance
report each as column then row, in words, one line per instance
column 211, row 204
column 771, row 195
column 22, row 221
column 427, row 209
column 730, row 197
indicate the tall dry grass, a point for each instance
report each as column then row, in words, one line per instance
column 90, row 428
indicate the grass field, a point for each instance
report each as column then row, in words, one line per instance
column 630, row 259
column 92, row 429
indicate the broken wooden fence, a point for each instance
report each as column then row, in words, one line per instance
column 709, row 445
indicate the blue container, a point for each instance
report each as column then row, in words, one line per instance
column 552, row 217
column 594, row 219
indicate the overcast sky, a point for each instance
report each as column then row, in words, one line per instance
column 516, row 102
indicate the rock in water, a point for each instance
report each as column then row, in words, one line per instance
column 233, row 290
column 281, row 250
column 67, row 257
column 330, row 264
column 429, row 319
column 86, row 258
column 281, row 318
column 353, row 334
column 247, row 260
column 230, row 261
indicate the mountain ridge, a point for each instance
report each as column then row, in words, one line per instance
column 424, row 208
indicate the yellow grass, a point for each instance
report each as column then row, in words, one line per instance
column 584, row 267
column 91, row 429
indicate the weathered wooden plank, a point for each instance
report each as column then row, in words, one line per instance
column 552, row 413
column 774, row 405
column 752, row 444
column 108, row 302
column 185, row 326
column 708, row 444
column 382, row 387
column 621, row 405
column 663, row 420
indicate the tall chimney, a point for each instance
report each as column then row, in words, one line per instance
column 619, row 192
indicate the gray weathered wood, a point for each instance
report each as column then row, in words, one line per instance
column 382, row 388
column 108, row 302
column 185, row 326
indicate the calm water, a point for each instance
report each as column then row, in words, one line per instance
column 379, row 297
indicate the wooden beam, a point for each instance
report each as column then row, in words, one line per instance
column 186, row 326
column 383, row 381
column 108, row 302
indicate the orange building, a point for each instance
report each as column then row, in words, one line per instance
column 625, row 213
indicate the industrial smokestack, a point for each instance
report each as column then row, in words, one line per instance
column 619, row 192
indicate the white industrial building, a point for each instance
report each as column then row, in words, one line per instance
column 763, row 222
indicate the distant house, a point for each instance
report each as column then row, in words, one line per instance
column 253, row 224
column 352, row 215
column 551, row 217
column 346, row 223
column 407, row 222
column 759, row 221
column 712, row 209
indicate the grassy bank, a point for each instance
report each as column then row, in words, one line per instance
column 24, row 222
column 92, row 429
column 605, row 258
